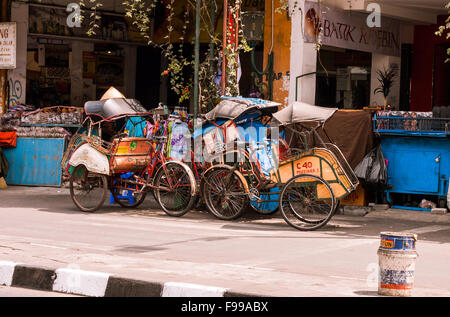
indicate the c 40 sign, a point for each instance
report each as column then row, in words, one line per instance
column 7, row 45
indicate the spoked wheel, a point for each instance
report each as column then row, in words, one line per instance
column 307, row 202
column 125, row 193
column 224, row 194
column 173, row 189
column 88, row 190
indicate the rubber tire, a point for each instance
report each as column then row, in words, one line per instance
column 102, row 198
column 210, row 206
column 318, row 224
column 172, row 213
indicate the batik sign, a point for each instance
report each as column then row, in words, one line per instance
column 349, row 30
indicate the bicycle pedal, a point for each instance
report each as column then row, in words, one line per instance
column 255, row 198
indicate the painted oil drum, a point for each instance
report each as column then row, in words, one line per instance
column 398, row 241
column 397, row 256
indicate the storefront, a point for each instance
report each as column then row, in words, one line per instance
column 343, row 72
column 62, row 65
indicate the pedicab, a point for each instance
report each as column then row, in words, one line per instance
column 309, row 181
column 242, row 119
column 127, row 166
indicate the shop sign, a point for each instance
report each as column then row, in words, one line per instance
column 7, row 45
column 349, row 30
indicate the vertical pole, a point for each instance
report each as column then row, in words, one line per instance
column 212, row 31
column 224, row 44
column 3, row 72
column 236, row 39
column 238, row 12
column 197, row 56
column 211, row 44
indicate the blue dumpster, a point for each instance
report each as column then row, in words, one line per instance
column 35, row 162
column 417, row 151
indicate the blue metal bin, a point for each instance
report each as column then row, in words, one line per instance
column 35, row 161
column 417, row 151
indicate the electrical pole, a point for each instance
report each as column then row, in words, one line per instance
column 224, row 44
column 197, row 56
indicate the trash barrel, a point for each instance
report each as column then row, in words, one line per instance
column 397, row 258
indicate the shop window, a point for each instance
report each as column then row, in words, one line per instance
column 48, row 75
column 343, row 78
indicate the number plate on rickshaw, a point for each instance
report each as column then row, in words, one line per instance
column 314, row 163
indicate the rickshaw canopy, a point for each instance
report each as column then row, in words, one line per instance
column 115, row 108
column 302, row 112
column 234, row 107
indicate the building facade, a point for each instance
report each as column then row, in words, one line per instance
column 356, row 40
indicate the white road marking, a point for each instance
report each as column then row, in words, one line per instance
column 47, row 246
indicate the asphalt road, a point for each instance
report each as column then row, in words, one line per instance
column 256, row 254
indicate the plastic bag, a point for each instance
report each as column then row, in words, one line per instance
column 426, row 204
column 372, row 169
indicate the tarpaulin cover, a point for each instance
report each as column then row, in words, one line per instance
column 110, row 108
column 302, row 112
column 232, row 108
column 350, row 130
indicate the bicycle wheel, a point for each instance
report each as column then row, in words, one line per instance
column 124, row 192
column 173, row 189
column 307, row 202
column 223, row 192
column 88, row 190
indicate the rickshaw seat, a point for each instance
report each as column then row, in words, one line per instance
column 130, row 154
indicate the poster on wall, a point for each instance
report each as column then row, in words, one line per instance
column 8, row 45
column 338, row 28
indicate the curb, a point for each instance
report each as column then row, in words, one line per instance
column 98, row 284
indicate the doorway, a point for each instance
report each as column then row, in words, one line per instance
column 343, row 78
